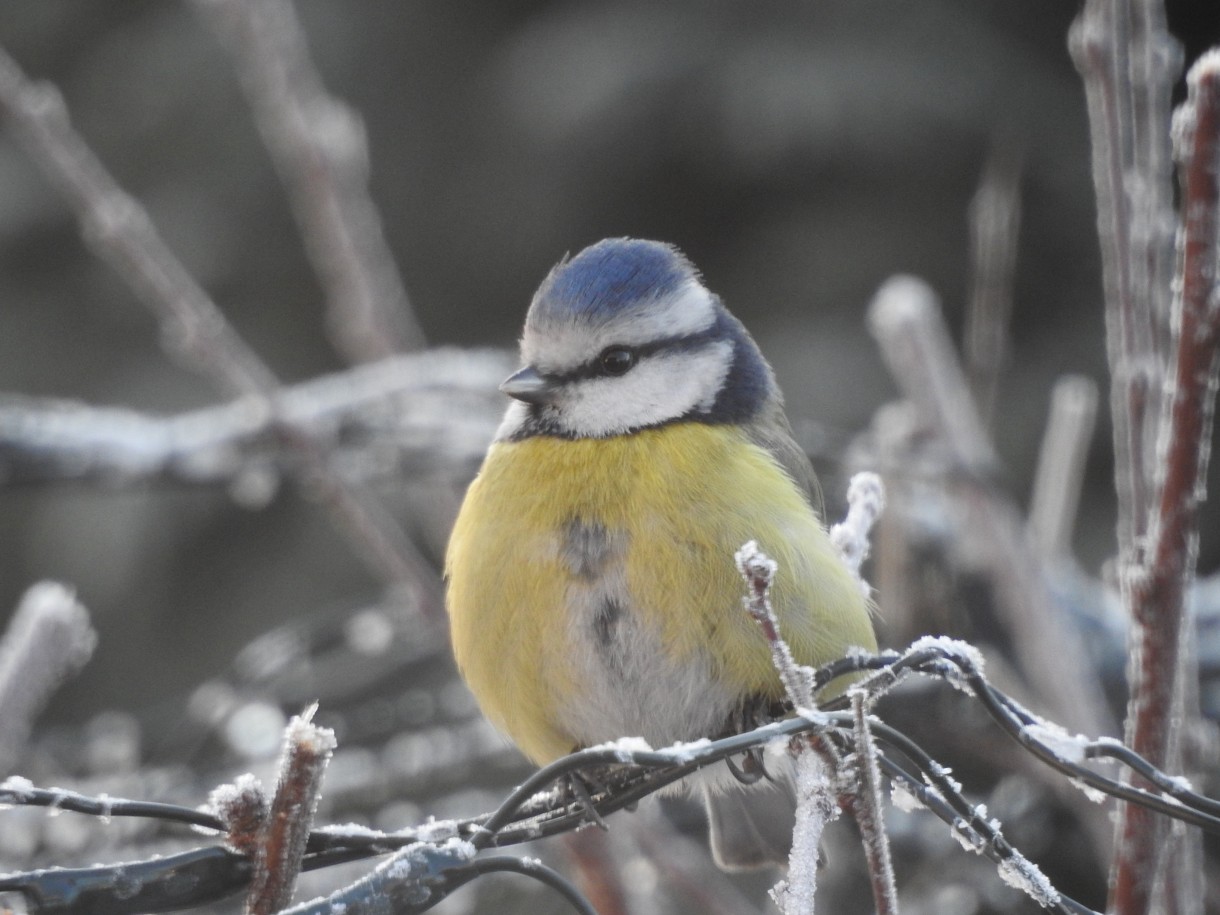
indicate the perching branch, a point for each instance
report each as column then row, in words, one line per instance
column 542, row 807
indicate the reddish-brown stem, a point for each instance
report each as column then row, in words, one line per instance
column 1157, row 591
column 281, row 842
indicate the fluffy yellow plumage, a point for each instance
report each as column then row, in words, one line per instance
column 675, row 502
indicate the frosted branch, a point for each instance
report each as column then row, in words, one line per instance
column 1155, row 588
column 193, row 327
column 410, row 416
column 1061, row 464
column 865, row 502
column 758, row 570
column 281, row 841
column 319, row 148
column 48, row 640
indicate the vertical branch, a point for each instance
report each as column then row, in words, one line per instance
column 995, row 222
column 1061, row 463
column 281, row 841
column 1128, row 60
column 320, row 150
column 816, row 803
column 867, row 809
column 1158, row 589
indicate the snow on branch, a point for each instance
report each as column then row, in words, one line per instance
column 439, row 857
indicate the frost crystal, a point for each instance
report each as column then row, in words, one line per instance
column 1018, row 871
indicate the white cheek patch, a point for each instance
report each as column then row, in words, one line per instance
column 659, row 388
column 514, row 419
column 561, row 348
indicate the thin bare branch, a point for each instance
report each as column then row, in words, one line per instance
column 995, row 222
column 320, row 150
column 119, row 231
column 193, row 327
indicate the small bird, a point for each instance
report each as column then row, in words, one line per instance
column 592, row 589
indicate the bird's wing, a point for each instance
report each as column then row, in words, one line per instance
column 773, row 434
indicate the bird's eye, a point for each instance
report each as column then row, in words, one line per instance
column 616, row 360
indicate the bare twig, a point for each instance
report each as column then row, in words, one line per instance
column 281, row 841
column 1157, row 589
column 320, row 150
column 995, row 221
column 119, row 231
column 1061, row 463
column 48, row 640
column 868, row 810
column 193, row 327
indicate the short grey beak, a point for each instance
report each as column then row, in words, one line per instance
column 528, row 386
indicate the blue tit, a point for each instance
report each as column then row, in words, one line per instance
column 592, row 589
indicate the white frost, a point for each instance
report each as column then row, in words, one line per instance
column 1065, row 746
column 1018, row 871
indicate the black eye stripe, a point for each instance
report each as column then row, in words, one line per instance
column 679, row 343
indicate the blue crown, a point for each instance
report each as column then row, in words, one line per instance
column 603, row 279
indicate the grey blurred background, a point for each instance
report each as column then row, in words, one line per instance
column 800, row 153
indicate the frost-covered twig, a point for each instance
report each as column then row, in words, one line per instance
column 865, row 502
column 868, row 810
column 320, row 150
column 1129, row 62
column 49, row 638
column 904, row 317
column 281, row 842
column 1060, row 471
column 758, row 570
column 540, row 807
column 1156, row 588
column 415, row 415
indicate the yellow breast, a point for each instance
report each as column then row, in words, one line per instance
column 678, row 501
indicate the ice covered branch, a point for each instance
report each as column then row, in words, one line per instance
column 1156, row 586
column 542, row 807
